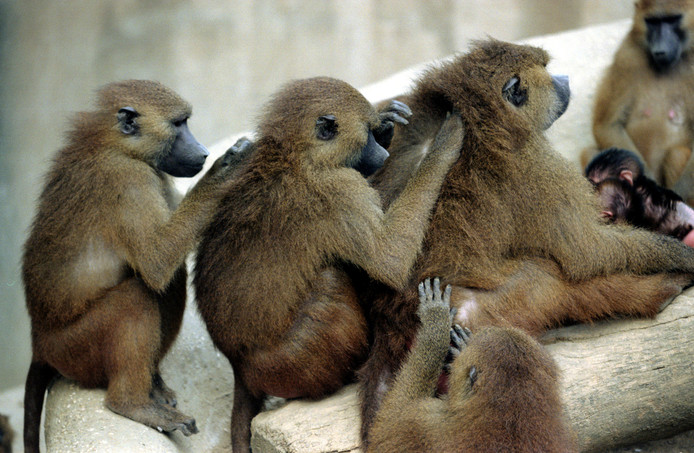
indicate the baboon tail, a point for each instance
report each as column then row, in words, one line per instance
column 38, row 378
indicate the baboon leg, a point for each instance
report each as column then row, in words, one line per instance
column 375, row 377
column 161, row 392
column 171, row 307
column 537, row 298
column 118, row 344
column 135, row 342
column 329, row 325
column 246, row 406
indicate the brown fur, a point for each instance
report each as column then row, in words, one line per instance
column 272, row 277
column 103, row 267
column 640, row 109
column 503, row 393
column 516, row 229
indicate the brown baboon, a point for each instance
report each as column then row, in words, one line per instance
column 516, row 230
column 103, row 267
column 627, row 195
column 273, row 269
column 6, row 435
column 645, row 102
column 503, row 393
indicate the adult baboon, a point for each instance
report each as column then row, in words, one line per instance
column 103, row 266
column 516, row 230
column 645, row 102
column 273, row 269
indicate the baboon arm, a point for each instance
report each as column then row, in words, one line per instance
column 612, row 249
column 390, row 252
column 610, row 117
column 419, row 375
column 155, row 242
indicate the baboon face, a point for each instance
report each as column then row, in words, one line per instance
column 660, row 27
column 328, row 122
column 151, row 122
column 536, row 95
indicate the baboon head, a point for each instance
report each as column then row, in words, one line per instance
column 149, row 122
column 661, row 28
column 324, row 122
column 506, row 82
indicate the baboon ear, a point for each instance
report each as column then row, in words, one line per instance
column 326, row 127
column 126, row 120
column 513, row 92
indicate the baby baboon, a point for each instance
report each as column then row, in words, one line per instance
column 627, row 195
column 516, row 230
column 645, row 102
column 503, row 393
column 103, row 267
column 272, row 277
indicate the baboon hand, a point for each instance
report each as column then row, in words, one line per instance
column 395, row 112
column 224, row 164
column 434, row 306
column 460, row 337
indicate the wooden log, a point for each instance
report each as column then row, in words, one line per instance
column 623, row 381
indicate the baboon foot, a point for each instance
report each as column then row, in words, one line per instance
column 162, row 393
column 161, row 417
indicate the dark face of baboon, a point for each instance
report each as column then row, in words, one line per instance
column 661, row 27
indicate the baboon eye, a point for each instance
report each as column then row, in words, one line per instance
column 180, row 122
column 473, row 376
column 513, row 92
column 126, row 120
column 326, row 127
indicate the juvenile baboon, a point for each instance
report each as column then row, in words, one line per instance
column 6, row 435
column 645, row 102
column 503, row 393
column 516, row 230
column 103, row 266
column 272, row 277
column 627, row 195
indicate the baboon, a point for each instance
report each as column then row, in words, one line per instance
column 516, row 230
column 273, row 273
column 645, row 102
column 627, row 195
column 6, row 435
column 103, row 267
column 503, row 393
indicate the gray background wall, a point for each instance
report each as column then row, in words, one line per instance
column 224, row 56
